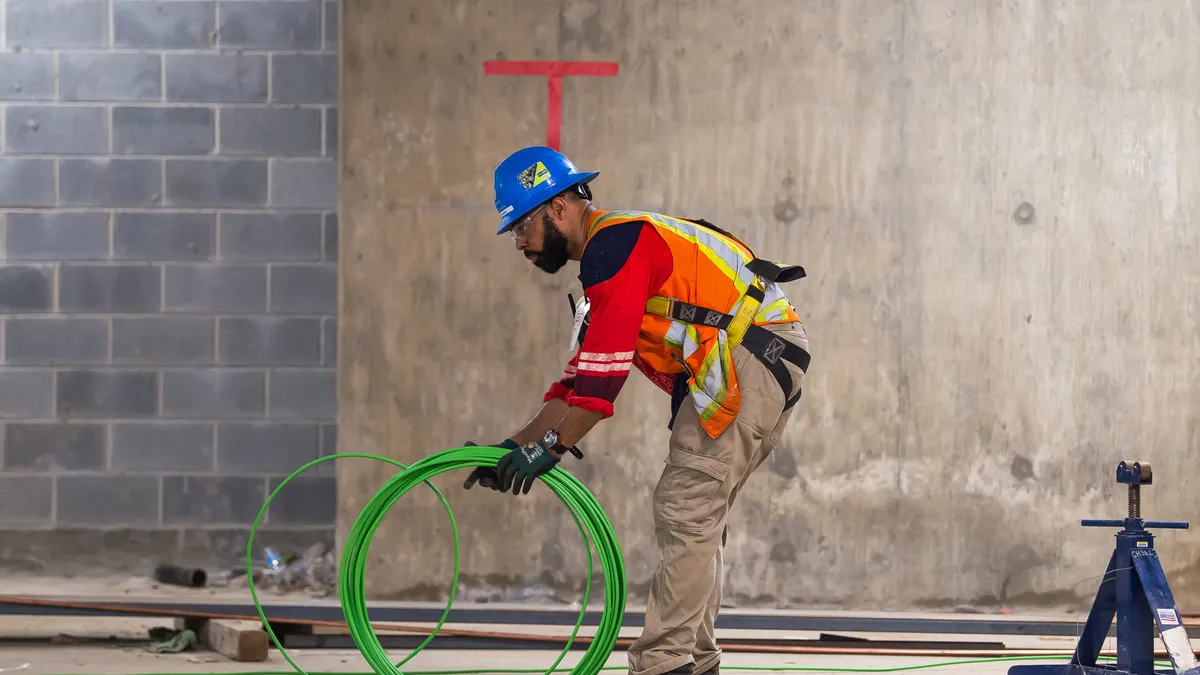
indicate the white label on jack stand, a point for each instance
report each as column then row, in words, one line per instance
column 581, row 311
column 1167, row 617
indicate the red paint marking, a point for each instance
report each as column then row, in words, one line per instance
column 554, row 72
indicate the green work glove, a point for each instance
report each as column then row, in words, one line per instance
column 486, row 476
column 521, row 467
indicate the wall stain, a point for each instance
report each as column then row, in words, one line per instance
column 1022, row 468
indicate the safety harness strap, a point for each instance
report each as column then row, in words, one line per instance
column 775, row 273
column 772, row 350
column 767, row 347
column 689, row 313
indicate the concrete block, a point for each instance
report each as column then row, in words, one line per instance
column 57, row 235
column 108, row 500
column 27, row 182
column 329, row 433
column 164, row 340
column 331, row 132
column 109, row 288
column 270, row 341
column 51, row 130
column 307, row 500
column 189, row 24
column 26, row 394
column 56, row 23
column 271, row 236
column 216, row 78
column 271, row 24
column 329, row 342
column 109, row 77
column 27, row 76
column 331, row 237
column 271, row 131
column 164, row 236
column 26, row 500
column 214, row 393
column 332, row 23
column 162, row 446
column 110, row 182
column 212, row 500
column 106, row 393
column 26, row 288
column 213, row 183
column 55, row 340
column 304, row 289
column 211, row 287
column 266, row 447
column 303, row 394
column 163, row 130
column 304, row 78
column 55, row 447
column 306, row 184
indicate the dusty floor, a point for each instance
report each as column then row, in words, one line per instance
column 115, row 645
column 116, row 661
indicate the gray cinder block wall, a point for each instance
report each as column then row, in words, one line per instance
column 168, row 288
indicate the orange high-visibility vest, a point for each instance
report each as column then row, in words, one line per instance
column 710, row 273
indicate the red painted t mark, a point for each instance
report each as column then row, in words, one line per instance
column 554, row 71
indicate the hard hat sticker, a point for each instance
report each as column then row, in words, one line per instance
column 534, row 175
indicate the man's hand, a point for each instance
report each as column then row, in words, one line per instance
column 521, row 467
column 487, row 476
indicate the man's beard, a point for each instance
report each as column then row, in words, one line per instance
column 554, row 253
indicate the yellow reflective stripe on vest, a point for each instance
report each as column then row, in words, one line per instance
column 712, row 245
column 711, row 382
column 773, row 311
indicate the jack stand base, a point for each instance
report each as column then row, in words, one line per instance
column 1136, row 593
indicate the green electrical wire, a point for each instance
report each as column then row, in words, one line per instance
column 594, row 523
column 578, row 500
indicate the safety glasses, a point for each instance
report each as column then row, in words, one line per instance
column 521, row 229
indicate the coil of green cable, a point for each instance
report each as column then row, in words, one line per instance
column 581, row 504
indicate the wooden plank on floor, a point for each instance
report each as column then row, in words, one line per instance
column 235, row 640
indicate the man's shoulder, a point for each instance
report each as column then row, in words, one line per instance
column 608, row 250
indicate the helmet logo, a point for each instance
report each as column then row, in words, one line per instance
column 534, row 175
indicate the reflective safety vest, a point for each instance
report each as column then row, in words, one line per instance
column 716, row 295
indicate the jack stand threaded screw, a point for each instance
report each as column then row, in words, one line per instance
column 1135, row 501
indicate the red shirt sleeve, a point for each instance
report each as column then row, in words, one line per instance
column 562, row 387
column 622, row 267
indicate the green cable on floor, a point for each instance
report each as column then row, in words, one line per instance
column 581, row 504
column 589, row 518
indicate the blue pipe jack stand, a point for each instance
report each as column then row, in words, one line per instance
column 1135, row 590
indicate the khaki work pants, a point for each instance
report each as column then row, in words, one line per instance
column 701, row 480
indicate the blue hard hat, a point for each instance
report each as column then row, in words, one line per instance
column 531, row 176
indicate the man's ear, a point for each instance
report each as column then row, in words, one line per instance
column 559, row 206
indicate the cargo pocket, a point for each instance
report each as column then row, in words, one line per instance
column 686, row 498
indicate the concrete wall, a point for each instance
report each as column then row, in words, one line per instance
column 994, row 201
column 168, row 195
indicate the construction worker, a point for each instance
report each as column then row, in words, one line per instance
column 698, row 313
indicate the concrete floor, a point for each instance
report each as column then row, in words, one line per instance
column 114, row 645
column 99, row 660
